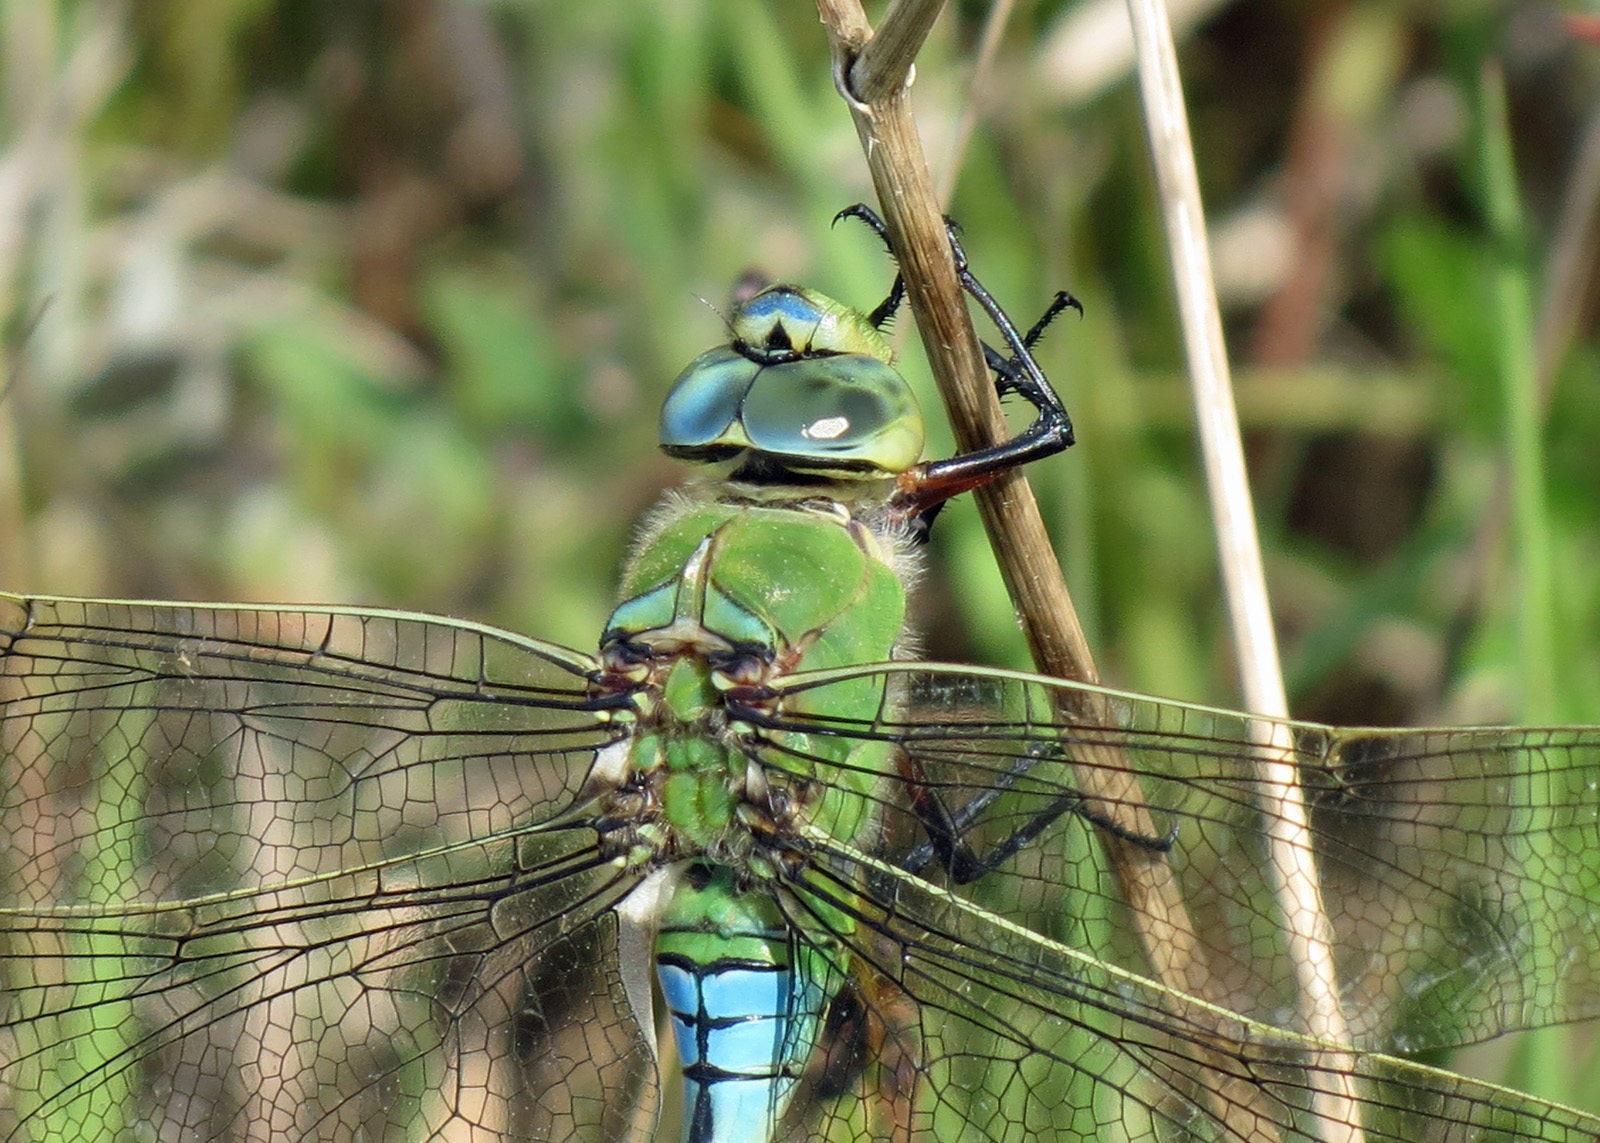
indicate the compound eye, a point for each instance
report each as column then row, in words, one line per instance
column 702, row 412
column 844, row 411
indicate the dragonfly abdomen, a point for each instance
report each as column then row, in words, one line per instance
column 746, row 997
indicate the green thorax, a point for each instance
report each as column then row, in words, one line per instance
column 759, row 589
column 797, row 583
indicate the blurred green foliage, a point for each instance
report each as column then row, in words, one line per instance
column 375, row 301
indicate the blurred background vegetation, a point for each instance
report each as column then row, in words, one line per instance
column 375, row 301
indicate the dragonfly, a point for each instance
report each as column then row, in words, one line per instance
column 749, row 870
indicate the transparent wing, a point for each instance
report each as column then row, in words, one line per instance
column 315, row 873
column 274, row 873
column 1007, row 989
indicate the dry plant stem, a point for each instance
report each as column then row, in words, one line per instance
column 1299, row 893
column 916, row 226
column 905, row 193
column 994, row 27
column 885, row 62
column 1179, row 190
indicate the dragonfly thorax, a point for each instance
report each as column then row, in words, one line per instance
column 723, row 601
column 691, row 783
column 782, row 582
column 679, row 798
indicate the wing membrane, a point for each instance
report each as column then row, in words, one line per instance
column 1015, row 1036
column 318, row 873
column 1455, row 865
column 301, row 873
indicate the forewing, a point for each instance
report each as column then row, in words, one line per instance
column 302, row 873
column 1454, row 865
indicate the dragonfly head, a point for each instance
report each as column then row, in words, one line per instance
column 807, row 387
column 783, row 323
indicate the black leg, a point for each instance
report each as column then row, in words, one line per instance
column 897, row 292
column 930, row 484
column 945, row 829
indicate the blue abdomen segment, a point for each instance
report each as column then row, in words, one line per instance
column 746, row 993
column 744, row 1031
